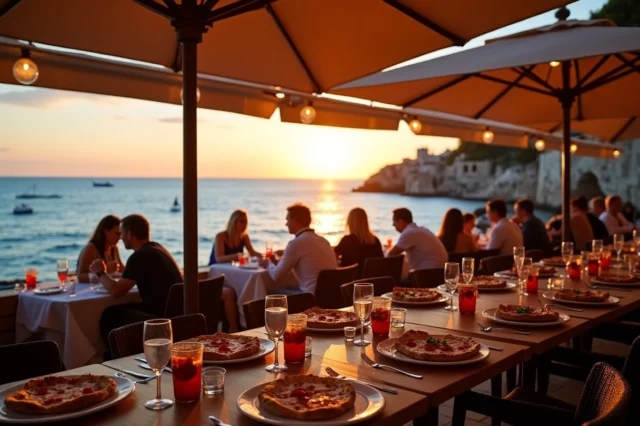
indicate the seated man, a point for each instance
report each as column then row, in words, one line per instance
column 580, row 204
column 423, row 249
column 597, row 206
column 534, row 232
column 613, row 218
column 306, row 255
column 505, row 235
column 150, row 267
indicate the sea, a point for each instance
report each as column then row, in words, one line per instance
column 59, row 228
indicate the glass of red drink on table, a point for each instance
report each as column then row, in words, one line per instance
column 574, row 268
column 605, row 260
column 186, row 364
column 532, row 280
column 30, row 277
column 467, row 295
column 593, row 265
column 62, row 267
column 381, row 315
column 268, row 249
column 295, row 336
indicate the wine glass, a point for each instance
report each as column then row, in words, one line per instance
column 523, row 275
column 158, row 341
column 567, row 251
column 597, row 246
column 468, row 264
column 362, row 304
column 618, row 244
column 451, row 277
column 62, row 266
column 518, row 255
column 275, row 321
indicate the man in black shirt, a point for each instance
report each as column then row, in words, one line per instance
column 597, row 226
column 534, row 232
column 150, row 267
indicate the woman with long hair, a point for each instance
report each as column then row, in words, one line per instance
column 101, row 245
column 360, row 243
column 452, row 233
column 229, row 244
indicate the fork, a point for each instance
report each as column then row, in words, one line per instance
column 330, row 371
column 146, row 365
column 388, row 367
column 141, row 381
column 216, row 421
column 606, row 287
column 487, row 329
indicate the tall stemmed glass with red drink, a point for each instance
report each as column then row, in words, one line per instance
column 62, row 267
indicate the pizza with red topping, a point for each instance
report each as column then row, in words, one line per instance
column 60, row 394
column 307, row 397
column 420, row 345
column 554, row 261
column 581, row 295
column 614, row 278
column 223, row 346
column 412, row 294
column 526, row 313
column 485, row 281
column 330, row 318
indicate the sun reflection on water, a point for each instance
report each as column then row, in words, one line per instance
column 328, row 213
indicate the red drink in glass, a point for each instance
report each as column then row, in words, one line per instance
column 62, row 276
column 605, row 261
column 593, row 267
column 30, row 277
column 268, row 253
column 380, row 321
column 187, row 378
column 467, row 295
column 574, row 270
column 295, row 336
column 532, row 282
column 241, row 259
column 389, row 243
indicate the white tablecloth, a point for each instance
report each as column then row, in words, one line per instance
column 72, row 322
column 249, row 284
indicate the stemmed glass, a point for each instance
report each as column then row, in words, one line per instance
column 468, row 264
column 518, row 256
column 275, row 321
column 597, row 246
column 567, row 252
column 523, row 275
column 62, row 267
column 451, row 277
column 362, row 304
column 618, row 244
column 636, row 240
column 158, row 340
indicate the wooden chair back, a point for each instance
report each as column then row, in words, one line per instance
column 383, row 267
column 254, row 310
column 328, row 294
column 491, row 265
column 426, row 278
column 29, row 360
column 381, row 285
column 210, row 301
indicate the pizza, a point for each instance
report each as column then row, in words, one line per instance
column 330, row 318
column 223, row 346
column 60, row 394
column 581, row 295
column 307, row 397
column 554, row 261
column 420, row 345
column 543, row 270
column 485, row 281
column 411, row 294
column 614, row 278
column 525, row 313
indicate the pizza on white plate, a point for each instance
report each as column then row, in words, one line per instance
column 614, row 278
column 223, row 346
column 412, row 294
column 307, row 397
column 581, row 295
column 526, row 313
column 555, row 260
column 330, row 318
column 421, row 345
column 543, row 270
column 485, row 281
column 60, row 394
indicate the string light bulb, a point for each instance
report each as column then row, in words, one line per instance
column 554, row 64
column 280, row 95
column 487, row 136
column 308, row 114
column 573, row 148
column 197, row 95
column 616, row 153
column 25, row 71
column 416, row 126
column 540, row 144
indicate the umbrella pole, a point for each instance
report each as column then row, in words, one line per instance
column 566, row 100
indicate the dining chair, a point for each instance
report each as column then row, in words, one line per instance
column 297, row 303
column 491, row 265
column 210, row 301
column 605, row 401
column 383, row 267
column 426, row 278
column 29, row 359
column 127, row 340
column 328, row 293
column 381, row 285
column 536, row 255
column 477, row 255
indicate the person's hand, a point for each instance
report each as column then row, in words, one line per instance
column 112, row 266
column 264, row 262
column 97, row 266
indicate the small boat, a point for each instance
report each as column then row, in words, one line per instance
column 105, row 184
column 23, row 209
column 175, row 208
column 33, row 195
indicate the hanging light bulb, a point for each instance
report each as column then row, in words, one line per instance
column 573, row 148
column 197, row 95
column 616, row 153
column 25, row 70
column 554, row 64
column 280, row 95
column 487, row 136
column 308, row 114
column 416, row 126
column 540, row 144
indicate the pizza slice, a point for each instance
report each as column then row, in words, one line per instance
column 526, row 313
column 411, row 294
column 581, row 295
column 223, row 346
column 421, row 345
column 330, row 318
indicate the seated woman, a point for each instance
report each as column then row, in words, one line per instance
column 101, row 245
column 452, row 233
column 229, row 245
column 361, row 243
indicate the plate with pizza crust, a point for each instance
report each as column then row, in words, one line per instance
column 556, row 261
column 330, row 320
column 389, row 349
column 610, row 300
column 439, row 298
column 617, row 280
column 223, row 348
column 491, row 315
column 508, row 287
column 368, row 403
column 124, row 388
column 266, row 347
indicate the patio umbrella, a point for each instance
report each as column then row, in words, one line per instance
column 569, row 71
column 307, row 45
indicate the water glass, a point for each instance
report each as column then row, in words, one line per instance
column 618, row 245
column 295, row 337
column 631, row 261
column 158, row 338
column 523, row 276
column 597, row 246
column 451, row 278
column 349, row 333
column 555, row 284
column 567, row 251
column 30, row 277
column 213, row 380
column 362, row 305
column 275, row 321
column 380, row 315
column 307, row 346
column 468, row 265
column 398, row 317
column 186, row 366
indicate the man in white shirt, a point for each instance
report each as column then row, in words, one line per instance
column 423, row 249
column 613, row 219
column 505, row 235
column 306, row 255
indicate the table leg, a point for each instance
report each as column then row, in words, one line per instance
column 544, row 363
column 496, row 391
column 529, row 373
column 511, row 379
column 429, row 419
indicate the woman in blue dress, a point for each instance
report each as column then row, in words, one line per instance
column 229, row 245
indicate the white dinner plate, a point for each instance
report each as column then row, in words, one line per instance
column 388, row 349
column 490, row 314
column 48, row 290
column 443, row 298
column 612, row 301
column 266, row 347
column 250, row 266
column 124, row 388
column 369, row 402
column 513, row 276
column 508, row 287
column 597, row 281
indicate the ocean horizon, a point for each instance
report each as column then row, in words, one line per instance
column 59, row 228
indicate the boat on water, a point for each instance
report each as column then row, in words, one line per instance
column 175, row 208
column 105, row 184
column 33, row 194
column 23, row 209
